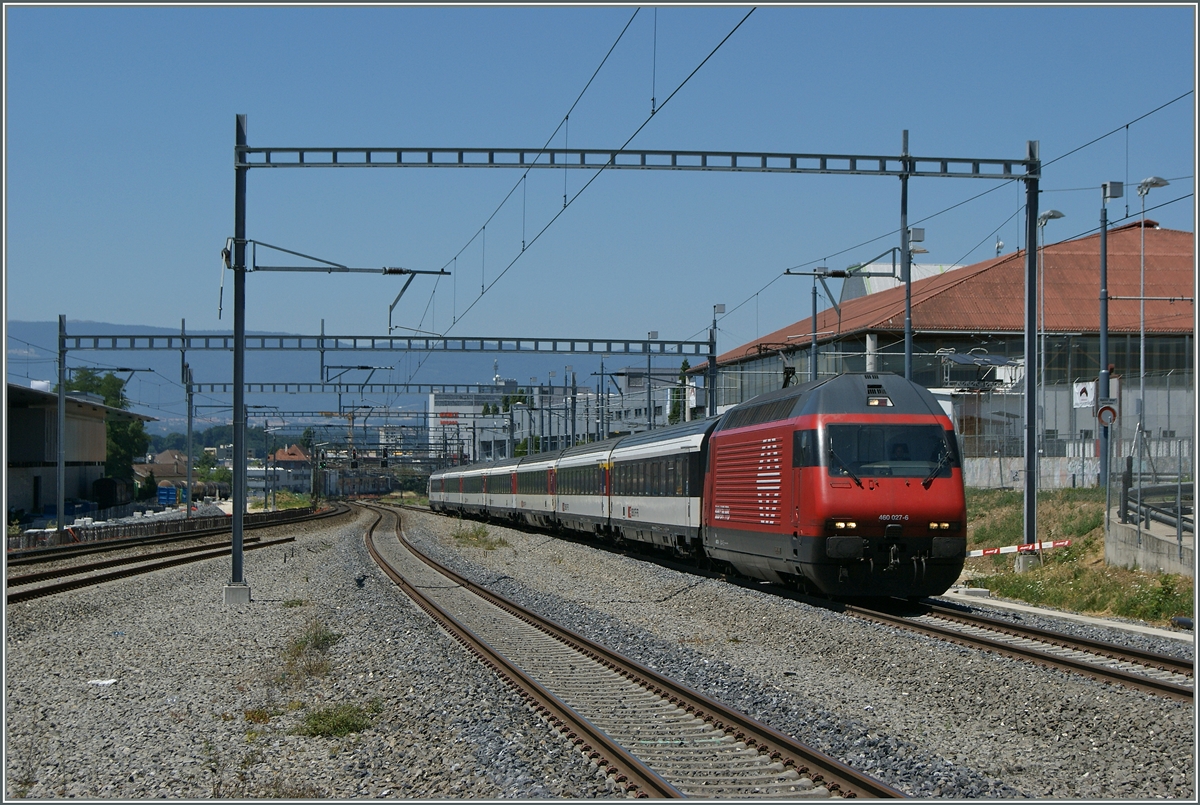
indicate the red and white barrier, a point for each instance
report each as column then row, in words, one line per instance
column 1034, row 548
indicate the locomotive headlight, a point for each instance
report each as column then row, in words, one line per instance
column 943, row 526
column 842, row 525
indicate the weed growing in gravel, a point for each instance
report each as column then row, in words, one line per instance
column 306, row 656
column 476, row 536
column 258, row 715
column 25, row 762
column 280, row 788
column 250, row 758
column 294, row 602
column 215, row 764
column 335, row 722
column 316, row 637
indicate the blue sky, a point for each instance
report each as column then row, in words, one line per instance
column 120, row 123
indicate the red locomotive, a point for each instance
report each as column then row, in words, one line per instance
column 851, row 485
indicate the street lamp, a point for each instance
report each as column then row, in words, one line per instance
column 1144, row 188
column 652, row 336
column 712, row 362
column 1109, row 190
column 1048, row 215
column 914, row 235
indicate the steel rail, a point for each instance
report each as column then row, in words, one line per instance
column 1151, row 659
column 1098, row 672
column 630, row 771
column 91, row 581
column 59, row 572
column 842, row 778
column 34, row 556
column 1094, row 671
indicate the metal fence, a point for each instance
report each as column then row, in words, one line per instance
column 992, row 422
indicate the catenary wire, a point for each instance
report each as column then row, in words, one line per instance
column 600, row 170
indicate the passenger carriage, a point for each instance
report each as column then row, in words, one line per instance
column 657, row 480
column 473, row 500
column 500, row 488
column 534, row 497
column 581, row 483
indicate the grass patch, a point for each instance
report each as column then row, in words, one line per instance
column 335, row 722
column 1074, row 578
column 476, row 536
column 294, row 602
column 406, row 497
column 316, row 637
column 305, row 656
column 259, row 715
column 283, row 500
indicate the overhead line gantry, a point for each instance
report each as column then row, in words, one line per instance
column 904, row 166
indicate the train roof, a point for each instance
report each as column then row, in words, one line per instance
column 696, row 426
column 591, row 447
column 849, row 393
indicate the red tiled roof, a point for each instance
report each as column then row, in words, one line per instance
column 291, row 453
column 989, row 297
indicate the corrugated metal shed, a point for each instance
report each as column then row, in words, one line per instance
column 989, row 297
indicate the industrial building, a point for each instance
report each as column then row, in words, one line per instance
column 968, row 341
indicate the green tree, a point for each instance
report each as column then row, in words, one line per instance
column 126, row 441
column 149, row 488
column 677, row 395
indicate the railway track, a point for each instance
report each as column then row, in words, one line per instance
column 36, row 556
column 655, row 736
column 63, row 578
column 1156, row 673
column 85, row 575
column 1108, row 662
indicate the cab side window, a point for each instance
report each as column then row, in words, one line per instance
column 804, row 449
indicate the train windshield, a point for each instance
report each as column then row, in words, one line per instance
column 874, row 451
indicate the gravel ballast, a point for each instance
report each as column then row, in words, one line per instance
column 930, row 718
column 151, row 687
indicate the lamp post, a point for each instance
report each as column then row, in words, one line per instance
column 1109, row 190
column 910, row 236
column 712, row 362
column 1048, row 215
column 1143, row 188
column 550, row 412
column 652, row 336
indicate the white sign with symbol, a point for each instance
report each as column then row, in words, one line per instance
column 1085, row 394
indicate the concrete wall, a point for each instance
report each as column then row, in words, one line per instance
column 1055, row 473
column 1155, row 553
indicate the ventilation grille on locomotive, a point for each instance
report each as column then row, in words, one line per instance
column 758, row 414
